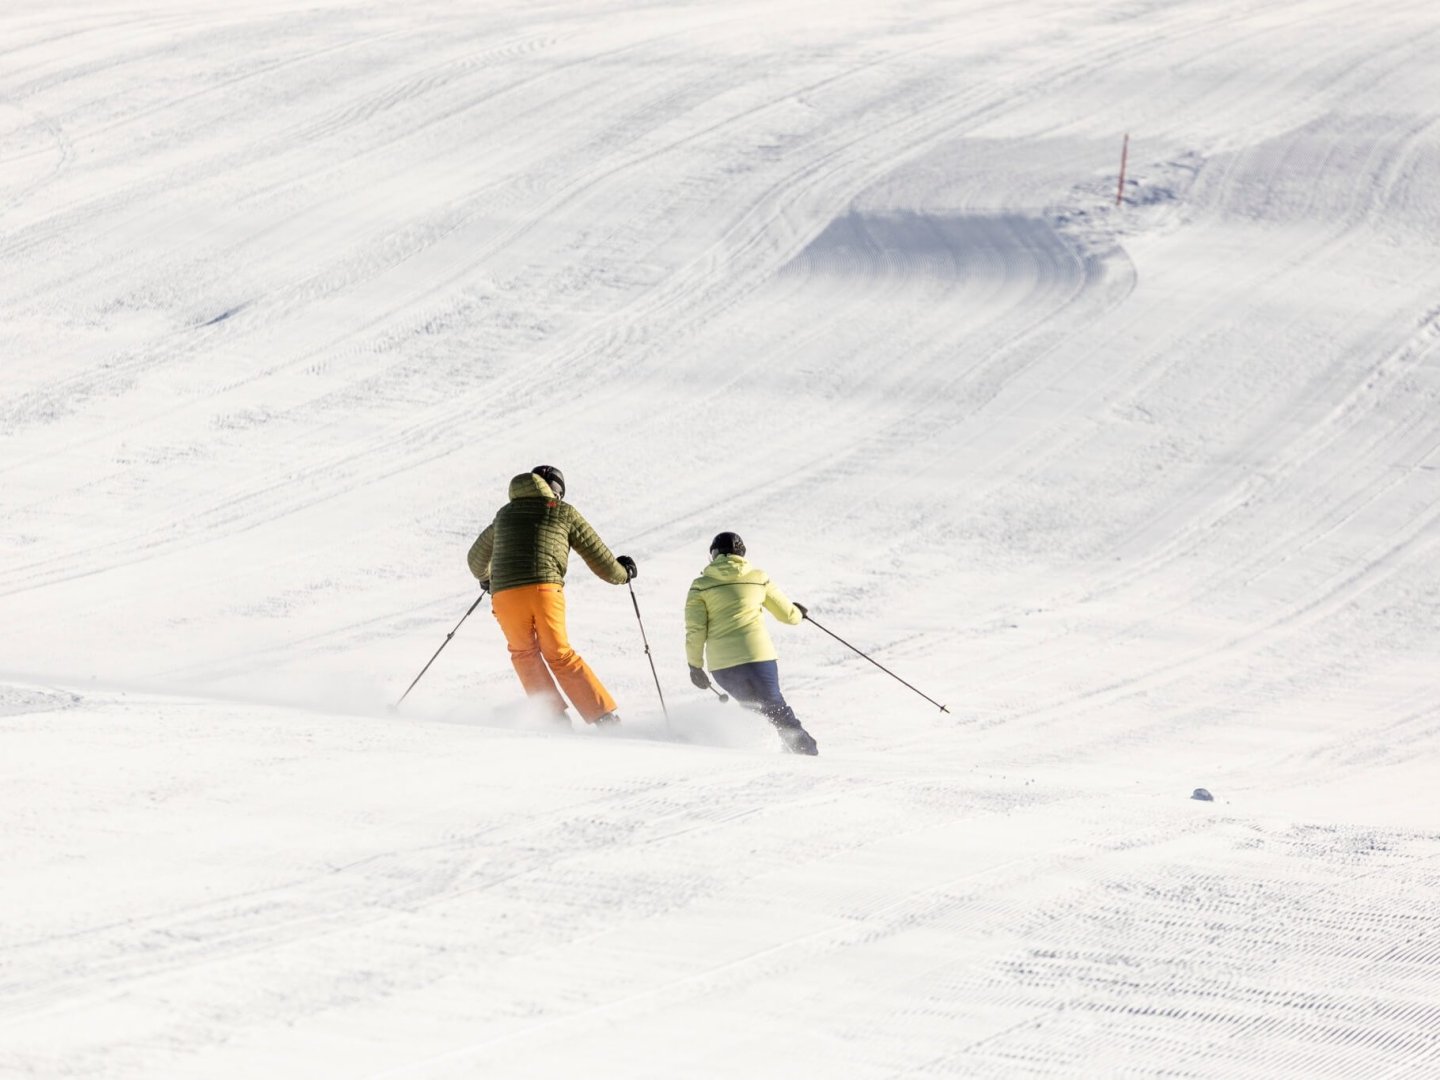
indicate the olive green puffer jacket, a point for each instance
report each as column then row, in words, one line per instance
column 530, row 539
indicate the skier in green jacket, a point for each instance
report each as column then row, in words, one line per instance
column 521, row 558
column 724, row 623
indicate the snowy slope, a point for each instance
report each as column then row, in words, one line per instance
column 1148, row 495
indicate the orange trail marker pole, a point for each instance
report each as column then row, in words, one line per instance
column 1124, row 155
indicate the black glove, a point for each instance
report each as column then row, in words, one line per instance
column 699, row 678
column 485, row 585
column 629, row 566
column 803, row 610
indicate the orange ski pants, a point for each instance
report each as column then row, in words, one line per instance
column 533, row 620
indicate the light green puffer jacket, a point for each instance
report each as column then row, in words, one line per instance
column 724, row 620
column 530, row 539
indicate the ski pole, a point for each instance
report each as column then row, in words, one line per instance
column 646, row 643
column 483, row 591
column 724, row 697
column 877, row 663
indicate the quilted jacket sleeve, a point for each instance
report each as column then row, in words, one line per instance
column 592, row 549
column 480, row 552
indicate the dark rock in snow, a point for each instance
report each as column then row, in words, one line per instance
column 1203, row 795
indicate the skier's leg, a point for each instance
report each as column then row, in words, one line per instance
column 585, row 691
column 740, row 684
column 515, row 612
column 772, row 703
column 764, row 678
column 756, row 685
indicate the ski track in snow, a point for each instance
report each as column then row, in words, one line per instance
column 1148, row 495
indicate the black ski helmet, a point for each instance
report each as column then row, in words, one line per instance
column 727, row 543
column 552, row 476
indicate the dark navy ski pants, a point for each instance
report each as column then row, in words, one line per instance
column 757, row 684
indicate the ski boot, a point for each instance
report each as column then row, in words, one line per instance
column 796, row 739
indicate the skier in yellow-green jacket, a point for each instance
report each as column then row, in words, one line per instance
column 725, row 625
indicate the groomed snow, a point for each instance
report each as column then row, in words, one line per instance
column 1148, row 495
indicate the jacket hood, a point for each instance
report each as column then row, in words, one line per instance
column 529, row 486
column 726, row 568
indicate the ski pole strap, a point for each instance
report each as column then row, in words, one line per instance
column 877, row 663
